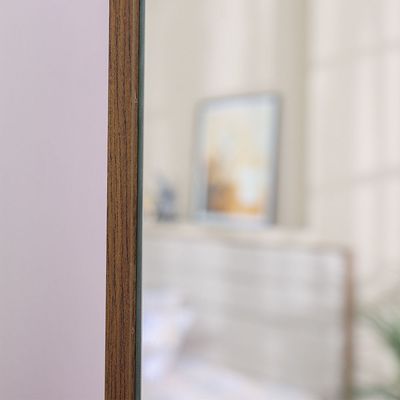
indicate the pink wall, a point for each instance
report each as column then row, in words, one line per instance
column 53, row 126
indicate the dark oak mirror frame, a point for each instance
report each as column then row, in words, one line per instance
column 122, row 372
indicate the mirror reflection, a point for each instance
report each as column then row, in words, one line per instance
column 271, row 200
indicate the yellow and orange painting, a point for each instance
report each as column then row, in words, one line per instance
column 239, row 153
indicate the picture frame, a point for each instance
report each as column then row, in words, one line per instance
column 236, row 164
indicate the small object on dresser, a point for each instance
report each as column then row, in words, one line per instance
column 165, row 201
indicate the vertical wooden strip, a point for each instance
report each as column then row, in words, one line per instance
column 348, row 321
column 123, row 209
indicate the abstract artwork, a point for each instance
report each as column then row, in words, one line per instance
column 237, row 155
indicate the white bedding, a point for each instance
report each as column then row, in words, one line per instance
column 168, row 374
column 192, row 380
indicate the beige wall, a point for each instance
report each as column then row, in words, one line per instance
column 197, row 49
column 353, row 182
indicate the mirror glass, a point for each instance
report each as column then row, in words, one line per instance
column 271, row 252
column 53, row 143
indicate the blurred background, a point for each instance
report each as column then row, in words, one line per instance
column 272, row 199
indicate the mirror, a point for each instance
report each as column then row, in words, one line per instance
column 53, row 181
column 271, row 200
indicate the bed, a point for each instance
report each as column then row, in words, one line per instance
column 269, row 315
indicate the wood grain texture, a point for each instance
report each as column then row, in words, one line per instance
column 123, row 198
column 348, row 321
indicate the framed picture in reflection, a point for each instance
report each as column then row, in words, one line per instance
column 235, row 177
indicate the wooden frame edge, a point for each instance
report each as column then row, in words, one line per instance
column 124, row 196
column 348, row 323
